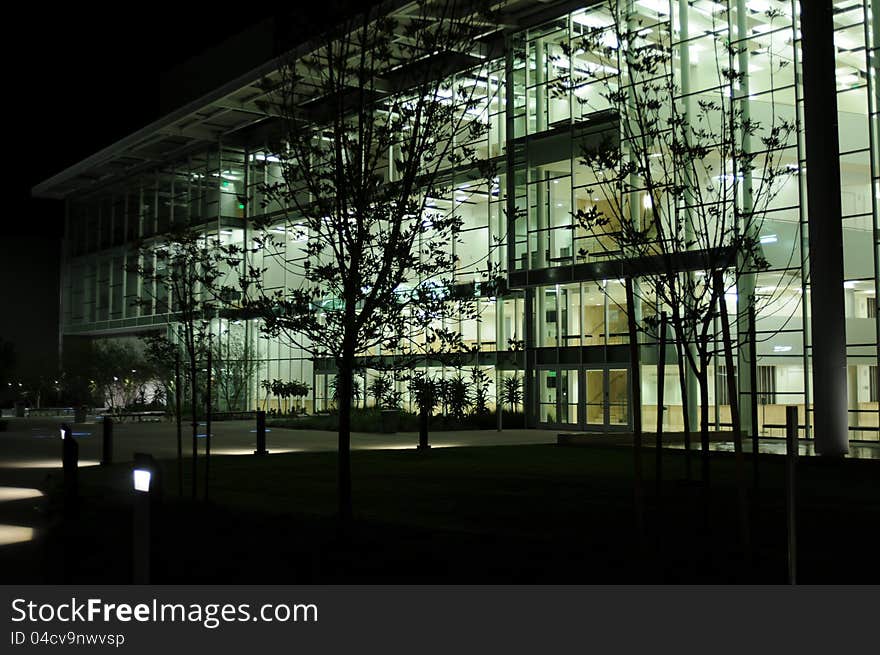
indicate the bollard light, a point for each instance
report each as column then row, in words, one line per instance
column 69, row 465
column 145, row 482
column 261, row 433
column 142, row 473
column 107, row 442
column 142, row 479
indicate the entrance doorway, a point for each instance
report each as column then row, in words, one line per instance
column 593, row 398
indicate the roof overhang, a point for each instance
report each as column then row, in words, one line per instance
column 230, row 108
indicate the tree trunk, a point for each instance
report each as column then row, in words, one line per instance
column 685, row 415
column 208, row 424
column 680, row 346
column 178, row 410
column 636, row 393
column 344, row 392
column 661, row 378
column 703, row 379
column 194, row 397
column 745, row 536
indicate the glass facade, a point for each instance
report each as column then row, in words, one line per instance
column 541, row 98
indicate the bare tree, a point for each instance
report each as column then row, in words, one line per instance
column 375, row 130
column 682, row 184
column 233, row 370
column 181, row 275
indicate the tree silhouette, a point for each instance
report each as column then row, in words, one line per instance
column 374, row 132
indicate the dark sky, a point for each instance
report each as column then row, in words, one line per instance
column 82, row 77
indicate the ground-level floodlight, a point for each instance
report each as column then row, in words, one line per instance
column 261, row 433
column 145, row 485
column 107, row 445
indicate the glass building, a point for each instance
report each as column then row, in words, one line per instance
column 562, row 323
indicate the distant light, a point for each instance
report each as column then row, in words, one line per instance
column 142, row 479
column 62, row 431
column 240, row 206
column 769, row 238
column 115, row 379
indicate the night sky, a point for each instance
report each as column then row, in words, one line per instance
column 84, row 77
column 88, row 77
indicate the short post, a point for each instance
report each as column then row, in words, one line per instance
column 107, row 445
column 70, row 466
column 261, row 433
column 791, row 456
column 499, row 405
column 144, row 484
column 424, row 418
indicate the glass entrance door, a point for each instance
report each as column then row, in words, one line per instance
column 594, row 398
column 607, row 398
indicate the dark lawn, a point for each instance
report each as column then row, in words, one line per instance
column 475, row 515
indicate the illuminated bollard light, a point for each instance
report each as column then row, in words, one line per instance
column 107, row 445
column 69, row 466
column 145, row 482
column 261, row 433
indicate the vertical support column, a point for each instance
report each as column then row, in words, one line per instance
column 746, row 282
column 826, row 229
column 244, row 269
column 872, row 54
column 510, row 157
column 529, row 404
column 539, row 173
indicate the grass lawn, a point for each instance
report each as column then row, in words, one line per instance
column 476, row 515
